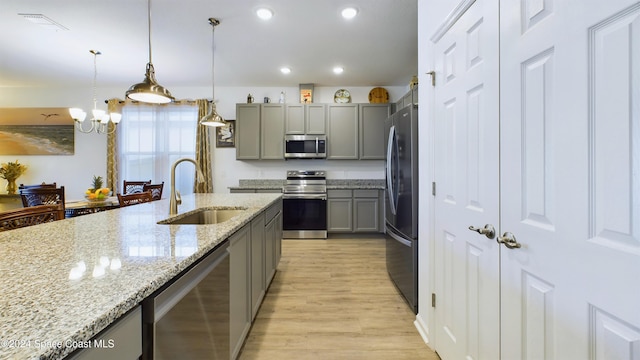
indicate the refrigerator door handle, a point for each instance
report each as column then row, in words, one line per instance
column 390, row 191
column 398, row 238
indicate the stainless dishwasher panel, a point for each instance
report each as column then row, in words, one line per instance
column 189, row 319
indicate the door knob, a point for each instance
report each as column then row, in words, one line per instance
column 509, row 240
column 487, row 231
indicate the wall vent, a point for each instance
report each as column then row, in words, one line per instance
column 43, row 21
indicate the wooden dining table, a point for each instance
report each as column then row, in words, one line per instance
column 84, row 207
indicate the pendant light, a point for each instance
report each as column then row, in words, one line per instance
column 213, row 118
column 149, row 91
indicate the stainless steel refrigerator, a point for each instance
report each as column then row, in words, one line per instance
column 401, row 202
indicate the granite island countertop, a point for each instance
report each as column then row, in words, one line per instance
column 50, row 274
column 332, row 184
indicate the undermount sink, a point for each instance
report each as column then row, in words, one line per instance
column 204, row 217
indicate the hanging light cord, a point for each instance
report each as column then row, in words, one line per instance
column 95, row 77
column 149, row 24
column 213, row 23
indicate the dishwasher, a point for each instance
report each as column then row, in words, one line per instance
column 189, row 318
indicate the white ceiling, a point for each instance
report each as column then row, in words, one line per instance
column 378, row 47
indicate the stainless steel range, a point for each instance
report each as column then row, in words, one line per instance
column 305, row 205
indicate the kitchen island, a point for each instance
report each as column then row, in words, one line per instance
column 63, row 282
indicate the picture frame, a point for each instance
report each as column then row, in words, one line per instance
column 226, row 135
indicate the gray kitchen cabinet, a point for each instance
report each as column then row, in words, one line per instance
column 257, row 264
column 411, row 97
column 350, row 211
column 272, row 236
column 259, row 131
column 342, row 134
column 247, row 131
column 244, row 191
column 239, row 289
column 339, row 211
column 121, row 340
column 366, row 210
column 371, row 127
column 301, row 119
column 272, row 132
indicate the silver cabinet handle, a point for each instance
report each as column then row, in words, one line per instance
column 488, row 230
column 509, row 240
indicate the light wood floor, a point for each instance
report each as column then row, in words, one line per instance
column 333, row 299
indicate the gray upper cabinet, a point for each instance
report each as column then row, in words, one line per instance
column 303, row 119
column 372, row 117
column 342, row 135
column 247, row 131
column 272, row 132
column 259, row 131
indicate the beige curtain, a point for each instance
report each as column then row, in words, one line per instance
column 203, row 150
column 112, row 150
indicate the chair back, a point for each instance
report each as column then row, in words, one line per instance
column 132, row 187
column 43, row 185
column 42, row 196
column 34, row 215
column 133, row 199
column 156, row 190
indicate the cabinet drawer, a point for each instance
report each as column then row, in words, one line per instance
column 272, row 211
column 365, row 193
column 339, row 193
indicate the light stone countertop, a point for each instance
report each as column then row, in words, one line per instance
column 41, row 303
column 257, row 184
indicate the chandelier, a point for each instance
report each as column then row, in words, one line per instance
column 213, row 118
column 100, row 119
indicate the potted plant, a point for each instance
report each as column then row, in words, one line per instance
column 11, row 171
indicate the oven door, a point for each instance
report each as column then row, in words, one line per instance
column 304, row 216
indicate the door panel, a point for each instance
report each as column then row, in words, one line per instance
column 570, row 192
column 466, row 174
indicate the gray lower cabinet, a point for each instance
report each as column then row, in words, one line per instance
column 372, row 130
column 257, row 264
column 342, row 131
column 121, row 340
column 259, row 131
column 239, row 289
column 350, row 211
column 254, row 256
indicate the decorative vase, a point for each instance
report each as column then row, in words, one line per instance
column 11, row 186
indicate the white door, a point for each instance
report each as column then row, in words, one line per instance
column 570, row 178
column 467, row 183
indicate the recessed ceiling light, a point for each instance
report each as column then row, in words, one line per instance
column 349, row 13
column 264, row 13
column 285, row 70
column 338, row 70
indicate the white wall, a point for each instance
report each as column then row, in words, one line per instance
column 76, row 171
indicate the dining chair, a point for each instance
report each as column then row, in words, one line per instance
column 133, row 199
column 34, row 215
column 156, row 190
column 42, row 196
column 35, row 186
column 132, row 187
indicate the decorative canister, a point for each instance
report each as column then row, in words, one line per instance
column 249, row 99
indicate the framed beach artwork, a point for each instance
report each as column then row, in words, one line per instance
column 36, row 131
column 226, row 135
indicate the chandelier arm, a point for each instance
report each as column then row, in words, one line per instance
column 80, row 127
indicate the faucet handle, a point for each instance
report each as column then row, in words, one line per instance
column 178, row 198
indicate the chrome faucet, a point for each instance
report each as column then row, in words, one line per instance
column 175, row 198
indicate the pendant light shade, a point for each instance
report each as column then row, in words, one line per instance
column 149, row 91
column 213, row 118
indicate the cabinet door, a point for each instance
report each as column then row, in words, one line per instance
column 372, row 118
column 315, row 119
column 365, row 218
column 272, row 131
column 257, row 264
column 247, row 131
column 239, row 289
column 295, row 119
column 342, row 137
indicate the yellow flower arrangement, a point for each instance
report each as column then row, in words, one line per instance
column 12, row 170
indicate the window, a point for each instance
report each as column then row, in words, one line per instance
column 152, row 137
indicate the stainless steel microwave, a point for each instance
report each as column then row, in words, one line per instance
column 305, row 146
